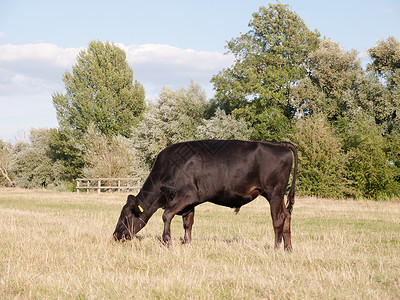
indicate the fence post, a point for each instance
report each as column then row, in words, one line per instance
column 99, row 186
column 77, row 185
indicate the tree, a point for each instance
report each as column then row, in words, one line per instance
column 385, row 57
column 269, row 60
column 358, row 108
column 100, row 91
column 5, row 164
column 323, row 161
column 107, row 159
column 31, row 163
column 64, row 152
column 173, row 119
column 332, row 72
column 224, row 127
column 386, row 66
column 338, row 87
column 371, row 167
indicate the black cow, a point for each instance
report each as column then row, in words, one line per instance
column 225, row 172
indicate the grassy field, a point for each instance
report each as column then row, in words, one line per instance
column 59, row 245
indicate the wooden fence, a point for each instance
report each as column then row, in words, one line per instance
column 108, row 184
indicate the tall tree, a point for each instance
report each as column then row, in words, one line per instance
column 269, row 60
column 99, row 90
column 385, row 64
column 358, row 107
column 336, row 85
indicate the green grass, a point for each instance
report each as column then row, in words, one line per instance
column 59, row 245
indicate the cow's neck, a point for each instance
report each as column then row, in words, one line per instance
column 149, row 198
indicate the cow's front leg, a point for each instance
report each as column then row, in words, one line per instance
column 188, row 221
column 167, row 218
column 182, row 200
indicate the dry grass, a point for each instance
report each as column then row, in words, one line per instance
column 58, row 245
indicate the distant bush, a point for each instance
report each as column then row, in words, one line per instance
column 107, row 159
column 224, row 127
column 371, row 167
column 322, row 167
column 31, row 163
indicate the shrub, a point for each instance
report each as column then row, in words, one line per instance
column 322, row 161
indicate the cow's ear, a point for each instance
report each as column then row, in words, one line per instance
column 134, row 204
column 132, row 200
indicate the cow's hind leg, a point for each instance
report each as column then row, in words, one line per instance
column 281, row 220
column 182, row 200
column 287, row 239
column 188, row 220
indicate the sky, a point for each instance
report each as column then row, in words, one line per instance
column 168, row 43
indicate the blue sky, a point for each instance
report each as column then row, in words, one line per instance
column 168, row 43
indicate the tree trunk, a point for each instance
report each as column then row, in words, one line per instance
column 5, row 174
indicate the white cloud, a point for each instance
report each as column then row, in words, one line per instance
column 40, row 52
column 34, row 71
column 154, row 64
column 388, row 11
column 157, row 65
column 169, row 55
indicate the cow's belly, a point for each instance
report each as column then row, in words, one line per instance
column 235, row 199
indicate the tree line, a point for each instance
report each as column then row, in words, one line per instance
column 286, row 83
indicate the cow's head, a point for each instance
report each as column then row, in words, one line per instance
column 130, row 220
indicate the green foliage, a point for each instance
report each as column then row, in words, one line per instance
column 174, row 118
column 270, row 59
column 105, row 158
column 371, row 167
column 393, row 155
column 5, row 164
column 336, row 85
column 180, row 116
column 386, row 66
column 386, row 60
column 64, row 152
column 322, row 168
column 269, row 124
column 361, row 109
column 31, row 165
column 224, row 127
column 99, row 90
column 181, row 111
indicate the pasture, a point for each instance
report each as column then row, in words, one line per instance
column 59, row 245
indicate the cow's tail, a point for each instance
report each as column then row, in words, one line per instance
column 290, row 198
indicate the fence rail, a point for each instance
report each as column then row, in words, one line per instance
column 108, row 184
